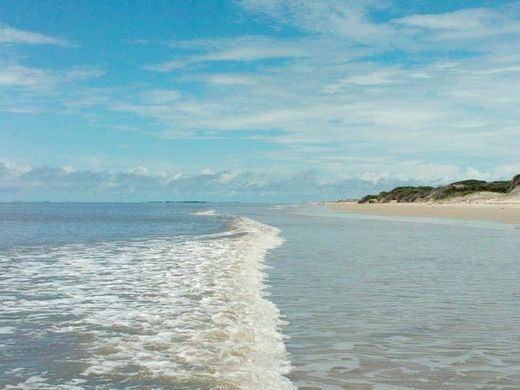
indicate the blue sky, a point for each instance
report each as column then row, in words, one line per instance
column 255, row 100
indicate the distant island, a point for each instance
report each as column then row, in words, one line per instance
column 473, row 189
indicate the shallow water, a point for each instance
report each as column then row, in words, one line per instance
column 175, row 295
column 381, row 302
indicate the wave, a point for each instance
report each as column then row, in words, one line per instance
column 153, row 312
column 205, row 212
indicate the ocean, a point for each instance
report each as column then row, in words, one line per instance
column 229, row 296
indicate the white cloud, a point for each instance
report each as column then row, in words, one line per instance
column 508, row 170
column 239, row 49
column 395, row 108
column 332, row 92
column 471, row 26
column 16, row 75
column 347, row 18
column 161, row 96
column 82, row 73
column 9, row 35
column 480, row 21
column 457, row 20
column 233, row 79
column 353, row 20
column 374, row 78
column 38, row 78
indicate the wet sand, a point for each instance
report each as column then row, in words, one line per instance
column 503, row 212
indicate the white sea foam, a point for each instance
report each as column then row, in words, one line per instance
column 208, row 212
column 155, row 312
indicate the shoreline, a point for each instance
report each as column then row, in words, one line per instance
column 508, row 213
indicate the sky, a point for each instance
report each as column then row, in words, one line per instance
column 254, row 100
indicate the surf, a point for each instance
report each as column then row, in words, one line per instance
column 186, row 312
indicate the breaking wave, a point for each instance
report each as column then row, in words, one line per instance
column 209, row 212
column 149, row 313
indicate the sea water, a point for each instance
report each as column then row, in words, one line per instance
column 136, row 295
column 172, row 295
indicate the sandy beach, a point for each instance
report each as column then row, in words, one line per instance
column 499, row 212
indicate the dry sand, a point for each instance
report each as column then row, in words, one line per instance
column 491, row 211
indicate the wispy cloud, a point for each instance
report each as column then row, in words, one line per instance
column 240, row 49
column 15, row 75
column 233, row 79
column 315, row 101
column 13, row 36
column 347, row 18
column 466, row 23
column 38, row 78
column 403, row 85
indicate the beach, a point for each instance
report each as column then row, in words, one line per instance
column 498, row 212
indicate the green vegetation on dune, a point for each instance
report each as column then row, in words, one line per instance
column 515, row 183
column 457, row 189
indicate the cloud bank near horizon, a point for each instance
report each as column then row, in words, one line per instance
column 41, row 183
